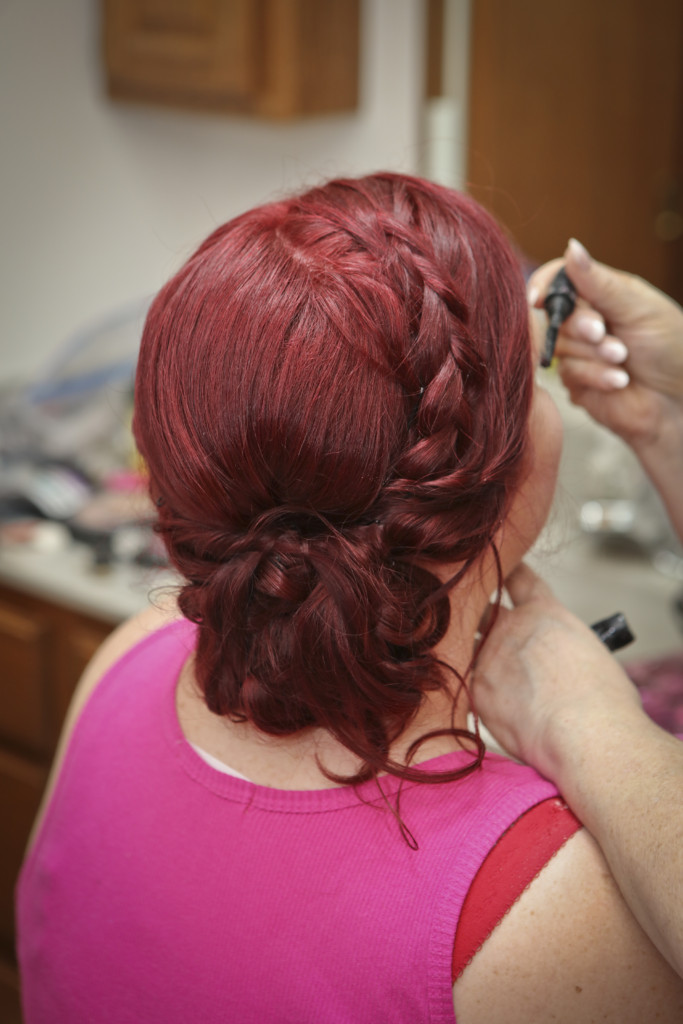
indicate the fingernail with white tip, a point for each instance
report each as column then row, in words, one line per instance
column 614, row 351
column 579, row 253
column 591, row 328
column 616, row 379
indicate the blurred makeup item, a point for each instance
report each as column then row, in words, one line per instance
column 613, row 631
column 559, row 303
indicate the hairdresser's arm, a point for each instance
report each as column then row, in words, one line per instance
column 621, row 357
column 555, row 698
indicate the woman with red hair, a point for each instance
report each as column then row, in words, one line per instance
column 270, row 805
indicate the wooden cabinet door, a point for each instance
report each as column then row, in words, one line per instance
column 44, row 649
column 21, row 789
column 190, row 50
column 274, row 58
column 576, row 128
column 24, row 691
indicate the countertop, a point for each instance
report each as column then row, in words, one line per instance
column 594, row 582
column 68, row 577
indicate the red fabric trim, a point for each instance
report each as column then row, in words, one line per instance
column 510, row 866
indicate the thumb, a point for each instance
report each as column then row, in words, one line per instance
column 607, row 290
column 524, row 585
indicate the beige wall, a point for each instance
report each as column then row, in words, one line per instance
column 101, row 202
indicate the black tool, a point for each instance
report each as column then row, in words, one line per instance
column 559, row 303
column 614, row 632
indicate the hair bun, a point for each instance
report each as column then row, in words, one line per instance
column 276, row 565
column 284, row 576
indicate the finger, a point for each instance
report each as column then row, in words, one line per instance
column 540, row 279
column 492, row 613
column 494, row 617
column 611, row 350
column 585, row 324
column 607, row 290
column 524, row 585
column 591, row 374
column 485, row 620
column 610, row 291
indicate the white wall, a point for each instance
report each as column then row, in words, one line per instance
column 100, row 202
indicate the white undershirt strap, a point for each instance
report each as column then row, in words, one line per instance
column 220, row 766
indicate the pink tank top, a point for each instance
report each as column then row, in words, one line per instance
column 161, row 890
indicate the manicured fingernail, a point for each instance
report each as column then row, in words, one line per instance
column 592, row 328
column 616, row 379
column 613, row 350
column 579, row 253
column 532, row 294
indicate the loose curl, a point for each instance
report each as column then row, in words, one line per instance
column 332, row 394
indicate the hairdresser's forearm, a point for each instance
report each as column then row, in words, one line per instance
column 662, row 460
column 624, row 779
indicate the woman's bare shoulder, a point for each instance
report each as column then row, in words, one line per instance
column 121, row 640
column 571, row 952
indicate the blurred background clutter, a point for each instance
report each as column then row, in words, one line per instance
column 131, row 128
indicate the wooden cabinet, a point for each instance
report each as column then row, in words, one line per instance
column 269, row 58
column 43, row 651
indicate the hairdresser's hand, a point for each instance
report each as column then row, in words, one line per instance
column 543, row 678
column 621, row 352
column 554, row 697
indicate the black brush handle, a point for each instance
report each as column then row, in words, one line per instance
column 559, row 303
column 614, row 632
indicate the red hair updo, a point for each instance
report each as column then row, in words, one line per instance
column 332, row 393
